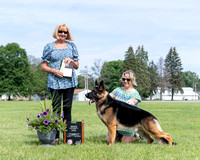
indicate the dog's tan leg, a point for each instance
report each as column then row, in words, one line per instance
column 112, row 133
column 153, row 128
column 145, row 135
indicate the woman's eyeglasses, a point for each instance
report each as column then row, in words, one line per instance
column 128, row 79
column 65, row 32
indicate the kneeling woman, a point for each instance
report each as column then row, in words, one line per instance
column 130, row 95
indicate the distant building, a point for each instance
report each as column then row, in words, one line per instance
column 5, row 97
column 79, row 95
column 188, row 94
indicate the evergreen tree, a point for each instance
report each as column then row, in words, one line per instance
column 138, row 62
column 130, row 61
column 154, row 77
column 173, row 68
column 142, row 72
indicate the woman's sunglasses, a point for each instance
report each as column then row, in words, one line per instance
column 65, row 32
column 128, row 79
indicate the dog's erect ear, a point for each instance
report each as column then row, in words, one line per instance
column 101, row 85
column 96, row 83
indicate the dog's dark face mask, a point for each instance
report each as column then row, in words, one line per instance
column 97, row 90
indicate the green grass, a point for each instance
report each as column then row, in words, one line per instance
column 181, row 120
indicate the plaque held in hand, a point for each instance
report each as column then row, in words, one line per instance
column 67, row 69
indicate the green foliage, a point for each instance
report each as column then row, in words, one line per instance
column 174, row 71
column 46, row 120
column 190, row 78
column 40, row 81
column 81, row 82
column 130, row 62
column 180, row 120
column 154, row 77
column 142, row 72
column 138, row 62
column 111, row 73
column 16, row 76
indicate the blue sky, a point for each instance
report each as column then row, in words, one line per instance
column 104, row 29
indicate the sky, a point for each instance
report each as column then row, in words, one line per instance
column 105, row 29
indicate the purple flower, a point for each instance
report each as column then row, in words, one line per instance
column 46, row 122
column 51, row 116
column 28, row 119
column 38, row 116
column 49, row 122
column 44, row 113
column 47, row 110
column 62, row 117
column 56, row 121
column 28, row 125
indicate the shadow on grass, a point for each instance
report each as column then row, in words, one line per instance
column 101, row 139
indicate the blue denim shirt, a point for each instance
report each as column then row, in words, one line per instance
column 53, row 57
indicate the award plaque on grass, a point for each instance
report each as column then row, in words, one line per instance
column 75, row 133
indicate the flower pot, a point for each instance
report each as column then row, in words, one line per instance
column 46, row 138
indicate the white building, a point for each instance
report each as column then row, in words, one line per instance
column 5, row 97
column 188, row 94
column 79, row 95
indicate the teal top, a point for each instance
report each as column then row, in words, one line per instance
column 124, row 96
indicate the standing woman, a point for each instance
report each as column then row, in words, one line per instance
column 61, row 88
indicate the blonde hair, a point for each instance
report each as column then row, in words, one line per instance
column 132, row 76
column 62, row 27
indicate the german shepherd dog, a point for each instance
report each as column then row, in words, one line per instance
column 120, row 115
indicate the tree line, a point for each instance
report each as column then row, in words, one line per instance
column 167, row 74
column 22, row 75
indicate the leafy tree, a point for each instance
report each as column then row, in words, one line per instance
column 40, row 82
column 154, row 77
column 81, row 82
column 111, row 73
column 174, row 74
column 16, row 76
column 190, row 79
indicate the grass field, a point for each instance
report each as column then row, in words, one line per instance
column 181, row 120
